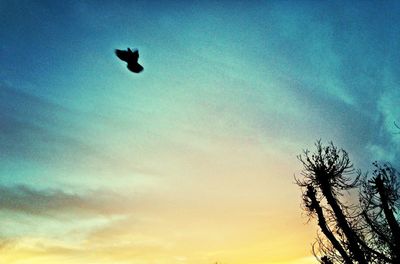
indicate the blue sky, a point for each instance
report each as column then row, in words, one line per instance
column 231, row 92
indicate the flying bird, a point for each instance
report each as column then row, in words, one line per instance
column 131, row 57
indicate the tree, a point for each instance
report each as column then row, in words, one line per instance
column 350, row 232
column 380, row 200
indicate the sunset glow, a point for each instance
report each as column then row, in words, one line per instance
column 193, row 160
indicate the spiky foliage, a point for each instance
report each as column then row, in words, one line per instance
column 327, row 176
column 380, row 201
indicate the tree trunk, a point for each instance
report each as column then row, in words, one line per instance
column 389, row 215
column 351, row 236
column 324, row 227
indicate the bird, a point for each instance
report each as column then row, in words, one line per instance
column 131, row 57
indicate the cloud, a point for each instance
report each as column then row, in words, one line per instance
column 32, row 127
column 40, row 250
column 35, row 129
column 52, row 202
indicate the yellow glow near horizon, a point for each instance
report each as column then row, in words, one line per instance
column 192, row 160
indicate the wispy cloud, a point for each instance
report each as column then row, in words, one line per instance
column 51, row 202
column 36, row 129
column 33, row 127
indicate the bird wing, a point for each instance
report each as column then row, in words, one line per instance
column 122, row 54
column 135, row 55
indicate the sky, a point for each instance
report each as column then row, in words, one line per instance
column 193, row 160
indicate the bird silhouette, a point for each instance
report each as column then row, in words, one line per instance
column 131, row 57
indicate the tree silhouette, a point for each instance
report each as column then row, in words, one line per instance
column 350, row 232
column 380, row 199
